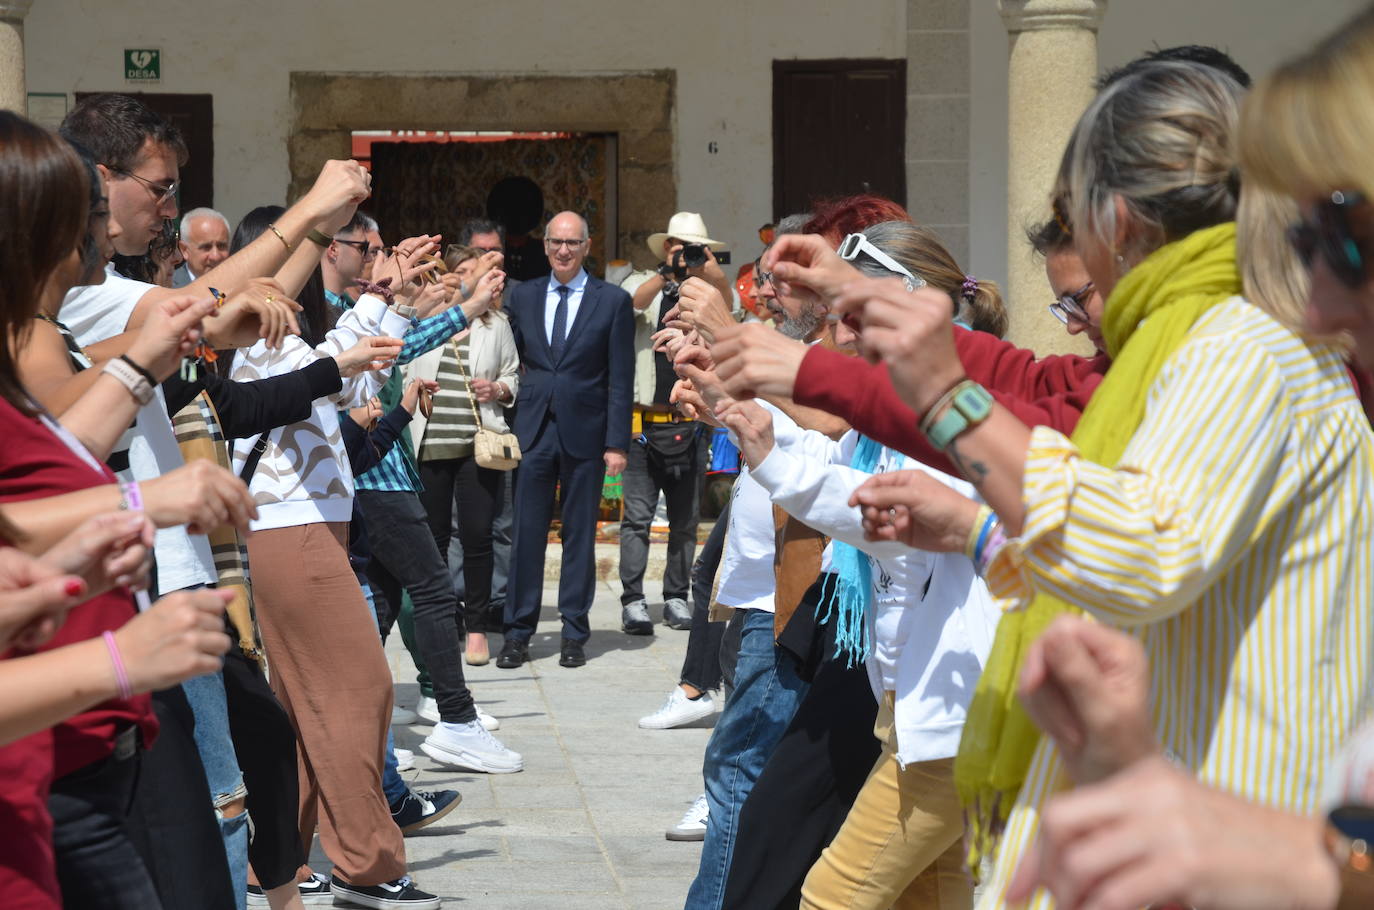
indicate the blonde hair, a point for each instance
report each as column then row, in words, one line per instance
column 1306, row 129
column 1274, row 278
column 455, row 254
column 1158, row 139
column 920, row 250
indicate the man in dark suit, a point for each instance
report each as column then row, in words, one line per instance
column 575, row 335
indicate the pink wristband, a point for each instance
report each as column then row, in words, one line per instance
column 126, row 691
column 132, row 497
column 997, row 539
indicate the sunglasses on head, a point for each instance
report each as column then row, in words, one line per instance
column 855, row 244
column 1328, row 234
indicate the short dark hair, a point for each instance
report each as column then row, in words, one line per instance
column 359, row 223
column 1201, row 54
column 115, row 127
column 479, row 226
column 1052, row 236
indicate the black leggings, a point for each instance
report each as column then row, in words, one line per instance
column 701, row 663
column 479, row 495
column 265, row 745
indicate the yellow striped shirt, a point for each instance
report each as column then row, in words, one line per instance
column 1235, row 538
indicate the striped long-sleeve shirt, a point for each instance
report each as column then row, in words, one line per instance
column 1235, row 538
column 397, row 472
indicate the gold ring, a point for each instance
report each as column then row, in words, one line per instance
column 270, row 298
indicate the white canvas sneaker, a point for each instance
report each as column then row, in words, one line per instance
column 402, row 717
column 679, row 710
column 428, row 710
column 471, row 746
column 693, row 824
column 405, row 759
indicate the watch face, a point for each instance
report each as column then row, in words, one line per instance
column 973, row 402
column 1354, row 821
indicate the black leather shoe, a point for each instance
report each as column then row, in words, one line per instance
column 513, row 654
column 571, row 654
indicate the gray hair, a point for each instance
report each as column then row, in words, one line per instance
column 792, row 224
column 369, row 223
column 1158, row 139
column 202, row 212
column 586, row 231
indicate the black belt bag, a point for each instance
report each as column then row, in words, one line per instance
column 672, row 447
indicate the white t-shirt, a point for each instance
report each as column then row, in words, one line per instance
column 95, row 313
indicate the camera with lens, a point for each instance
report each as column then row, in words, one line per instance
column 691, row 256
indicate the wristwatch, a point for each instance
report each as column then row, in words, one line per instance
column 1350, row 841
column 962, row 407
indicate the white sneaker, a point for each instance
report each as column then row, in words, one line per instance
column 471, row 746
column 401, row 717
column 487, row 720
column 405, row 759
column 679, row 710
column 428, row 710
column 693, row 824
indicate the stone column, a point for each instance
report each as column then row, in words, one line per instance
column 12, row 91
column 1053, row 65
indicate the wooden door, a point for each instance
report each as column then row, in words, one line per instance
column 839, row 127
column 194, row 115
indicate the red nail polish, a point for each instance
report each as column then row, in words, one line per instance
column 74, row 587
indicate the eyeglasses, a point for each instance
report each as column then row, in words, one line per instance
column 554, row 243
column 1328, row 234
column 364, row 249
column 760, row 276
column 164, row 193
column 855, row 244
column 1070, row 306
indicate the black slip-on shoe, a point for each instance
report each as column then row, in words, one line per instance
column 571, row 654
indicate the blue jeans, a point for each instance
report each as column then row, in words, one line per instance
column 206, row 695
column 393, row 786
column 766, row 694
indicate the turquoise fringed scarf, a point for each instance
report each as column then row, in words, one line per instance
column 850, row 594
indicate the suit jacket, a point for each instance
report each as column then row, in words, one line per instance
column 182, row 276
column 590, row 390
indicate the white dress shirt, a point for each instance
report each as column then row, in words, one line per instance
column 576, row 288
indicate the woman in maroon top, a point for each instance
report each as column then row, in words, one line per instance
column 105, row 654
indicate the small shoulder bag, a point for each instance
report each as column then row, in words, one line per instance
column 492, row 450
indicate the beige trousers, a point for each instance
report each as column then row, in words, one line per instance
column 901, row 846
column 328, row 669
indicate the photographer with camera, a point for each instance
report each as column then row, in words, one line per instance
column 667, row 453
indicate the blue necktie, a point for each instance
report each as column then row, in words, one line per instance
column 560, row 324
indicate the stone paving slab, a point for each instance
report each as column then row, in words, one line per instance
column 582, row 826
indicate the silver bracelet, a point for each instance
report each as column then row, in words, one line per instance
column 135, row 382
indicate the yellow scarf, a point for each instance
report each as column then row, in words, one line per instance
column 1148, row 316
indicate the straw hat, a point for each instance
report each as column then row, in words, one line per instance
column 686, row 226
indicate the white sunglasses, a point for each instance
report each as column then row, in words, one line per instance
column 855, row 244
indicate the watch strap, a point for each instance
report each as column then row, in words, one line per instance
column 966, row 405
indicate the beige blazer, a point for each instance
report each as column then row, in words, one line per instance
column 491, row 355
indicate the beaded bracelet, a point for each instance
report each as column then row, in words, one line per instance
column 126, row 691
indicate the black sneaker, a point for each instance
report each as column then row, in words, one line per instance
column 398, row 895
column 314, row 891
column 419, row 808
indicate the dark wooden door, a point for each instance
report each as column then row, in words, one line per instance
column 194, row 115
column 839, row 127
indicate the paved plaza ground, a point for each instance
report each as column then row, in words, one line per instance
column 582, row 826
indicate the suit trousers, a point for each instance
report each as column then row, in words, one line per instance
column 329, row 672
column 544, row 467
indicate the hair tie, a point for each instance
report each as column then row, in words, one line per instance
column 380, row 289
column 969, row 288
